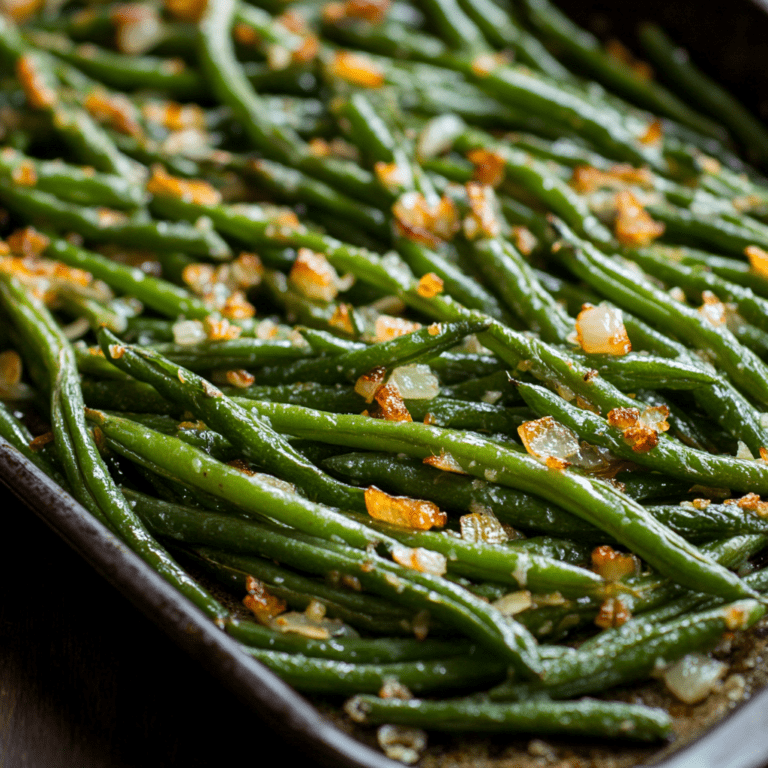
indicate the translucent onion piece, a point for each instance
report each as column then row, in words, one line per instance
column 370, row 383
column 415, row 382
column 694, row 677
column 401, row 742
column 546, row 438
column 514, row 603
column 483, row 526
column 613, row 565
column 188, row 332
column 633, row 225
column 314, row 276
column 403, row 511
column 420, row 559
column 600, row 330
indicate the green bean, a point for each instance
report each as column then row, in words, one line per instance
column 86, row 472
column 363, row 611
column 672, row 458
column 121, row 70
column 589, row 53
column 637, row 294
column 705, row 92
column 103, row 225
column 160, row 295
column 587, row 717
column 249, row 433
column 592, row 500
column 69, row 182
column 632, row 651
column 421, row 345
column 318, row 551
column 343, row 678
column 694, row 280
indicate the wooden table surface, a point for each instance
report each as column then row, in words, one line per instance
column 86, row 681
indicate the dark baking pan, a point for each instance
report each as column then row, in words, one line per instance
column 730, row 41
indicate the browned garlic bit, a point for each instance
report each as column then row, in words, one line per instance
column 403, row 511
column 370, row 383
column 313, row 275
column 613, row 565
column 641, row 430
column 445, row 462
column 633, row 225
column 613, row 613
column 758, row 259
column 600, row 330
column 586, row 179
column 391, row 405
column 424, row 222
column 357, row 69
column 489, row 166
column 261, row 601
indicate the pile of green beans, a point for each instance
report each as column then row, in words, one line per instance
column 300, row 294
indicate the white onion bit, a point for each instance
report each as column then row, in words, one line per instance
column 694, row 677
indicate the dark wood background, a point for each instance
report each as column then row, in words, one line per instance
column 86, row 681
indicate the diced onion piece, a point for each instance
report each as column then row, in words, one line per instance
column 401, row 742
column 188, row 332
column 612, row 613
column 633, row 225
column 314, row 276
column 653, row 134
column 694, row 677
column 546, row 438
column 713, row 310
column 356, row 69
column 370, row 383
column 438, row 135
column 403, row 511
column 489, row 166
column 240, row 378
column 482, row 526
column 420, row 559
column 600, row 330
column 190, row 190
column 312, row 623
column 415, row 382
column 424, row 222
column 758, row 259
column 388, row 327
column 430, row 285
column 261, row 601
column 186, row 10
column 483, row 219
column 613, row 565
column 514, row 603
